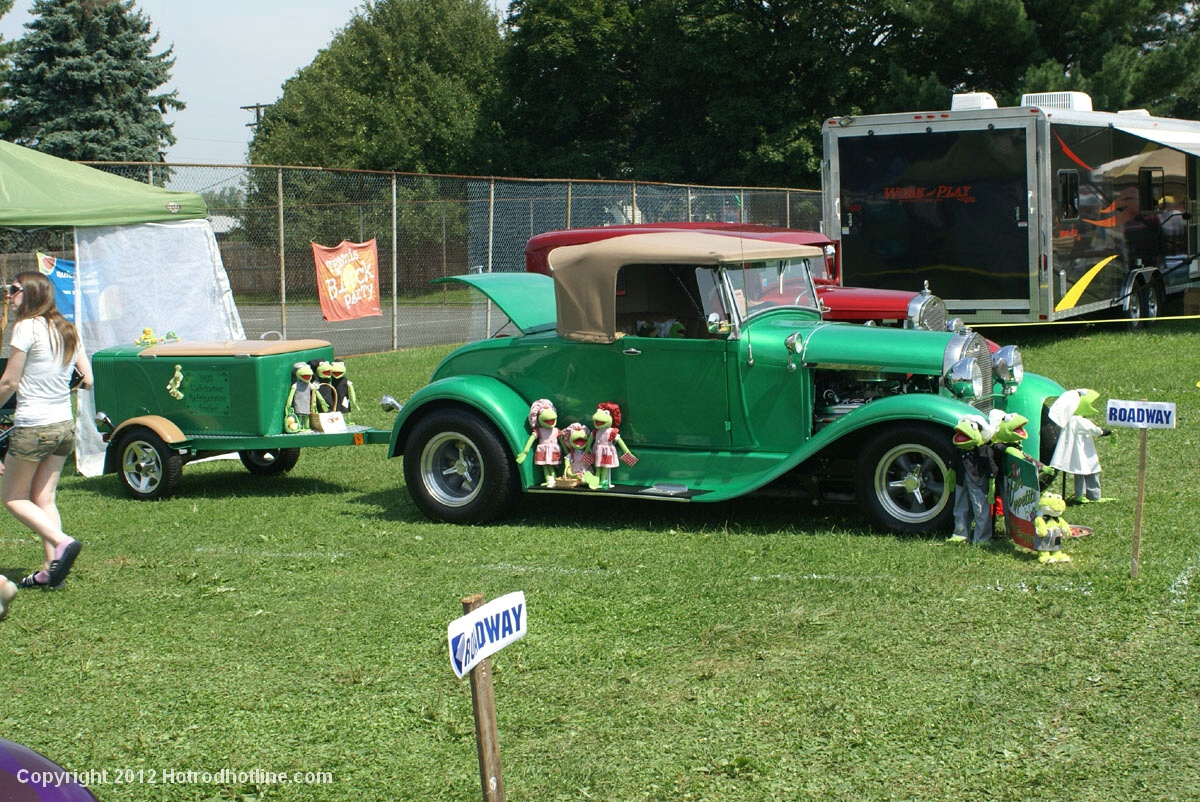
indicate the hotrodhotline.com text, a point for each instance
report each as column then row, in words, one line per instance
column 97, row 777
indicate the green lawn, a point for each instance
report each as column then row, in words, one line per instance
column 747, row 651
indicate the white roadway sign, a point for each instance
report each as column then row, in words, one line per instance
column 1140, row 414
column 485, row 630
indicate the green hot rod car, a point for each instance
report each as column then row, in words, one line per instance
column 727, row 379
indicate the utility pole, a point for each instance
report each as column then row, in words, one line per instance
column 259, row 110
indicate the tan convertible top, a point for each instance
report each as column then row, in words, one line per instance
column 585, row 276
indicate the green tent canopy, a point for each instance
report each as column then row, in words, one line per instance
column 38, row 190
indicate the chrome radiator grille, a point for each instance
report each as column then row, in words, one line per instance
column 977, row 349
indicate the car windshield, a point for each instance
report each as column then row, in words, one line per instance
column 754, row 287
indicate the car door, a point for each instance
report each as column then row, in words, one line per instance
column 677, row 392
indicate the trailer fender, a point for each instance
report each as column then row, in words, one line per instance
column 1138, row 279
column 170, row 434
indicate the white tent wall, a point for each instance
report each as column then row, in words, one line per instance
column 161, row 276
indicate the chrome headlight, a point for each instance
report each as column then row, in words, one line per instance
column 1008, row 367
column 928, row 312
column 965, row 379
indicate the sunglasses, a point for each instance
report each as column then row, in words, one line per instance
column 13, row 289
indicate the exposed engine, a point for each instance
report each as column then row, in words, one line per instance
column 841, row 392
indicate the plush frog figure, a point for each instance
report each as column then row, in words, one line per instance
column 606, row 439
column 299, row 404
column 325, row 389
column 1075, row 452
column 974, row 468
column 1009, row 428
column 1010, row 436
column 543, row 425
column 344, row 388
column 1050, row 529
column 577, row 462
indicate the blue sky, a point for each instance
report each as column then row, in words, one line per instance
column 228, row 54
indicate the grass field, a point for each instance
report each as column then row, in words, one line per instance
column 746, row 651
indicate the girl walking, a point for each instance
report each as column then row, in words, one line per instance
column 44, row 351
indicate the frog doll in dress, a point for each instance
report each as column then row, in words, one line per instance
column 543, row 427
column 606, row 439
column 577, row 459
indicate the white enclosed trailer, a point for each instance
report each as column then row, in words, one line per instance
column 1034, row 213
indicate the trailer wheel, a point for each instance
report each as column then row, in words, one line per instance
column 903, row 479
column 149, row 469
column 458, row 468
column 1152, row 299
column 1136, row 308
column 271, row 461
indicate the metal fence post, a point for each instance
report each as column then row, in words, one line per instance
column 282, row 259
column 395, row 269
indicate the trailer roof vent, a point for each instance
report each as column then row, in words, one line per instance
column 1134, row 112
column 1076, row 101
column 972, row 100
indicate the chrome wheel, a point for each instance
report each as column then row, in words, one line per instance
column 149, row 468
column 451, row 469
column 904, row 479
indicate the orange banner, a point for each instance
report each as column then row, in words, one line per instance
column 348, row 280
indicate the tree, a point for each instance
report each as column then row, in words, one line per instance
column 1123, row 54
column 84, row 83
column 736, row 91
column 6, row 51
column 399, row 88
column 572, row 91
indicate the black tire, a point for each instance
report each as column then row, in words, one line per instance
column 458, row 468
column 271, row 461
column 903, row 481
column 1152, row 300
column 148, row 467
column 1136, row 313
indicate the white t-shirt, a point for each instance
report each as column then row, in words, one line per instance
column 44, row 392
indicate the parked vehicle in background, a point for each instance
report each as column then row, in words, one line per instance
column 893, row 307
column 1036, row 213
column 728, row 380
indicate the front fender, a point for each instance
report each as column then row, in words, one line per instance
column 1029, row 400
column 492, row 398
column 919, row 407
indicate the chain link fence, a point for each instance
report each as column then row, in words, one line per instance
column 425, row 227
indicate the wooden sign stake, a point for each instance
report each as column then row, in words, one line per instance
column 483, row 703
column 1137, row 515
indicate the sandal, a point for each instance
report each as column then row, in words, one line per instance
column 32, row 581
column 59, row 568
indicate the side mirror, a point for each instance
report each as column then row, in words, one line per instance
column 389, row 404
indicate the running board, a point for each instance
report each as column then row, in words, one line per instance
column 661, row 492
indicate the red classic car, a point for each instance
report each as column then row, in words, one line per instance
column 919, row 310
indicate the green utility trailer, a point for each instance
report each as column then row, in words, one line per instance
column 162, row 405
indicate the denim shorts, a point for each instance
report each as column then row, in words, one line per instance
column 35, row 443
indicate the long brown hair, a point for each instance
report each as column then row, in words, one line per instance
column 37, row 300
